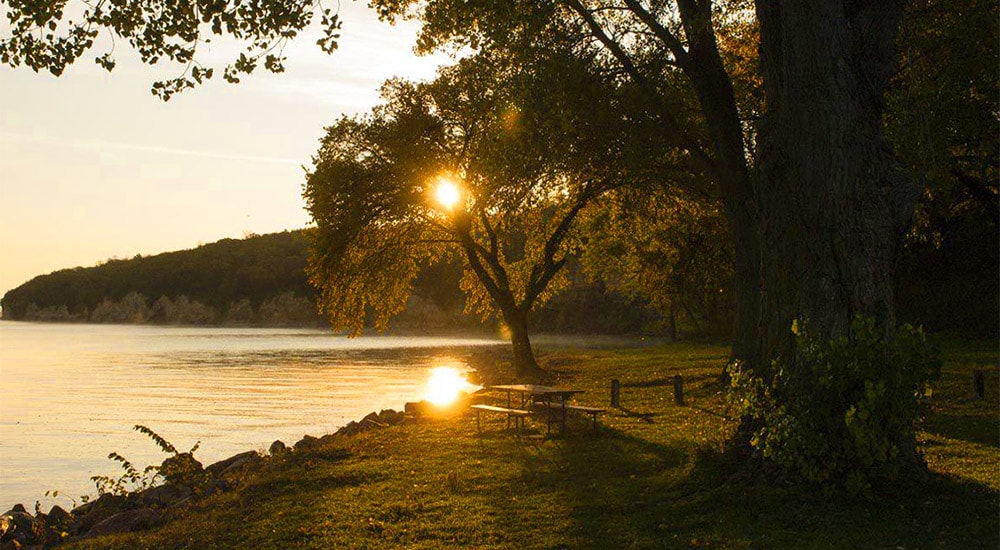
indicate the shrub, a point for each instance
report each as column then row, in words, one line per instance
column 842, row 412
column 179, row 468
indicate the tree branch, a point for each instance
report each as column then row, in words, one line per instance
column 661, row 32
column 686, row 143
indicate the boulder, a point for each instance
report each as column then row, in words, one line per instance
column 23, row 528
column 58, row 517
column 97, row 510
column 221, row 466
column 327, row 439
column 416, row 409
column 126, row 522
column 277, row 448
column 371, row 417
column 391, row 417
column 166, row 495
column 350, row 429
column 181, row 469
column 306, row 442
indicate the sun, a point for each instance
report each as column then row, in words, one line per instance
column 445, row 385
column 447, row 193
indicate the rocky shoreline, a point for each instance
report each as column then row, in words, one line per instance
column 186, row 482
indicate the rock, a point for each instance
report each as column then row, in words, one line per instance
column 327, row 439
column 416, row 409
column 350, row 429
column 166, row 495
column 181, row 469
column 390, row 417
column 126, row 522
column 221, row 466
column 277, row 448
column 217, row 486
column 370, row 417
column 22, row 528
column 59, row 517
column 243, row 464
column 98, row 510
column 306, row 442
column 18, row 508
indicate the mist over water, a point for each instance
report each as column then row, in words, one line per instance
column 70, row 394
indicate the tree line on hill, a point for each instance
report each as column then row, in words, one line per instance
column 260, row 281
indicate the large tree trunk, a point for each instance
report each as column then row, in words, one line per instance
column 525, row 366
column 832, row 204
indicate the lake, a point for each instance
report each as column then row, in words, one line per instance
column 70, row 393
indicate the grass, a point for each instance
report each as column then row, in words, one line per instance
column 652, row 478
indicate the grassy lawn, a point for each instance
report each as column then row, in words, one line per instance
column 652, row 477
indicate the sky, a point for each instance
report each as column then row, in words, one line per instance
column 93, row 166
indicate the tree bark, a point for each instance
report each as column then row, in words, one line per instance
column 832, row 203
column 525, row 366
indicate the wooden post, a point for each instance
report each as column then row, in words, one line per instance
column 979, row 384
column 616, row 393
column 678, row 389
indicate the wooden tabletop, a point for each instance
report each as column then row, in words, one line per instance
column 534, row 389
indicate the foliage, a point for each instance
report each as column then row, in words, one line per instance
column 53, row 35
column 842, row 411
column 943, row 111
column 178, row 468
column 673, row 248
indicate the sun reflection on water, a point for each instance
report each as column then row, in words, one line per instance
column 445, row 384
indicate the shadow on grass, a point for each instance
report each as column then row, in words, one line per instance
column 629, row 493
column 974, row 428
column 646, row 417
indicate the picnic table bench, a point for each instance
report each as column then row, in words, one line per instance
column 517, row 414
column 550, row 401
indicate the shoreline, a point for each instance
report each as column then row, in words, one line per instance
column 123, row 512
column 111, row 512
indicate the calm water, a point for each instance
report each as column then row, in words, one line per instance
column 70, row 394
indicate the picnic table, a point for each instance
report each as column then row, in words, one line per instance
column 552, row 400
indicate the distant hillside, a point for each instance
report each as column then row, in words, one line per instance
column 261, row 281
column 219, row 276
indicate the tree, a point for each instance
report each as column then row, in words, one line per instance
column 494, row 161
column 816, row 201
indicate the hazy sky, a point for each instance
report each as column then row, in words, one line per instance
column 92, row 166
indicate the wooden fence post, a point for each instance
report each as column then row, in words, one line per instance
column 979, row 383
column 615, row 393
column 678, row 389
